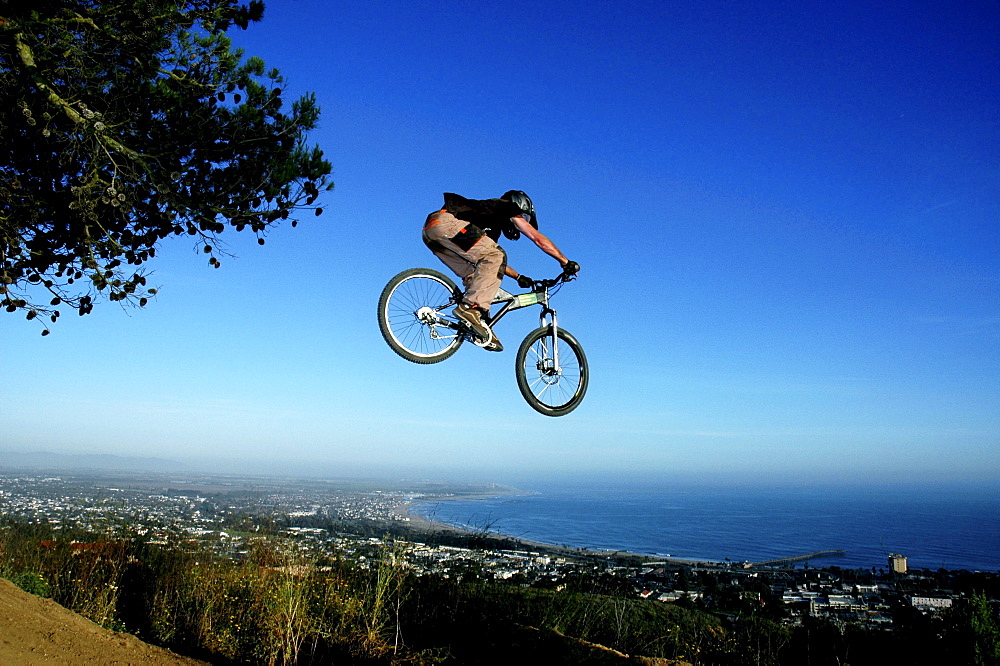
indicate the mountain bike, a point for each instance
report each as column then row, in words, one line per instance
column 416, row 320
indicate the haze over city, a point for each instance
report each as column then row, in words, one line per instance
column 785, row 213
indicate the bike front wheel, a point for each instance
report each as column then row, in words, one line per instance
column 414, row 315
column 552, row 374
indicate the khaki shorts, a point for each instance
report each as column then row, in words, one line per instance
column 470, row 253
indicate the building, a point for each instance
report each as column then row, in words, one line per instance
column 930, row 604
column 897, row 563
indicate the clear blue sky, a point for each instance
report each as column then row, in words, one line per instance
column 786, row 214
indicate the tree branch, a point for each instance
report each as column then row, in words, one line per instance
column 28, row 59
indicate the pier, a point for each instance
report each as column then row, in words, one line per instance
column 799, row 558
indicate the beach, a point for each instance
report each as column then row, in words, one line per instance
column 404, row 513
column 942, row 527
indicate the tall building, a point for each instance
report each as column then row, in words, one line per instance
column 897, row 563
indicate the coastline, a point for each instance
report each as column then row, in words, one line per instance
column 728, row 527
column 404, row 512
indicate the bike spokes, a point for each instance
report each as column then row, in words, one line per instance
column 552, row 379
column 415, row 316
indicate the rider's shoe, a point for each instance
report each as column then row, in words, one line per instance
column 473, row 318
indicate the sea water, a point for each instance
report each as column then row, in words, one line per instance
column 934, row 527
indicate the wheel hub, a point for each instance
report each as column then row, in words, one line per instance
column 547, row 368
column 425, row 315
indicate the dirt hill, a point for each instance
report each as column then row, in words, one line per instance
column 39, row 631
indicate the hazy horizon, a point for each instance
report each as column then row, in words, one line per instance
column 104, row 463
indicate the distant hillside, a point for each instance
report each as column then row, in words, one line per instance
column 39, row 631
column 63, row 462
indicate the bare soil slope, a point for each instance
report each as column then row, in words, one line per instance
column 39, row 631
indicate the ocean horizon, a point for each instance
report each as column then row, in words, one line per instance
column 935, row 527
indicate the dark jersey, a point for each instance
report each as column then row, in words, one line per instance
column 490, row 215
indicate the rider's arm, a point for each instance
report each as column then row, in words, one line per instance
column 539, row 239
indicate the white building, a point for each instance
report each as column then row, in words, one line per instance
column 930, row 604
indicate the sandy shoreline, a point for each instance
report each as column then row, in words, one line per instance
column 404, row 512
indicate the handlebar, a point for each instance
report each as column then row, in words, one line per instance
column 559, row 279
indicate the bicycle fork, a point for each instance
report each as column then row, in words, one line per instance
column 552, row 370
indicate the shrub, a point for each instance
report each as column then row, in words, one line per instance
column 32, row 583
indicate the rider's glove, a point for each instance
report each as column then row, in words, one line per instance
column 571, row 268
column 525, row 282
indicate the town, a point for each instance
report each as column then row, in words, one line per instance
column 357, row 519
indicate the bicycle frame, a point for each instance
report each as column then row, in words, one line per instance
column 513, row 302
column 510, row 302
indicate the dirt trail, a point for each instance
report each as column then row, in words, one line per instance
column 39, row 631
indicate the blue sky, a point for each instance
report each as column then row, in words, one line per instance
column 786, row 214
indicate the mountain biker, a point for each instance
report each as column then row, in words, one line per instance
column 464, row 236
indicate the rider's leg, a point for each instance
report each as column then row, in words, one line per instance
column 477, row 260
column 459, row 266
column 470, row 254
column 490, row 261
column 481, row 288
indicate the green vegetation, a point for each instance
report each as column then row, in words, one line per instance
column 282, row 604
column 126, row 122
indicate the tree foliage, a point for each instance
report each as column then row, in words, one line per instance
column 972, row 632
column 125, row 122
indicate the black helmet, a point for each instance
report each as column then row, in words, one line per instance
column 522, row 201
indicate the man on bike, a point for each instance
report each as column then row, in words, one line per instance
column 464, row 236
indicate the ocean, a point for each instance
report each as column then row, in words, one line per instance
column 934, row 527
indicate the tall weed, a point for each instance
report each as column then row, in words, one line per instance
column 283, row 605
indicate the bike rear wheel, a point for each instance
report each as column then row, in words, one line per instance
column 414, row 315
column 550, row 390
